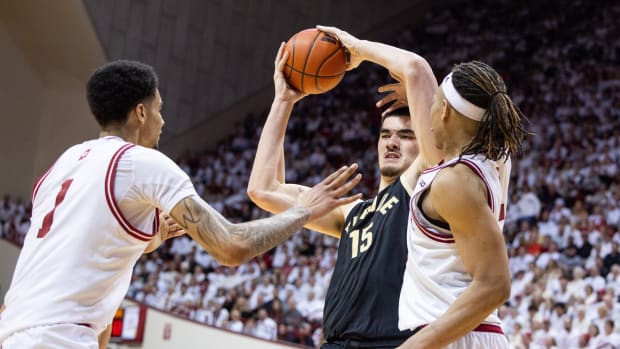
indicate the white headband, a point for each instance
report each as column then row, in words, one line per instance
column 459, row 103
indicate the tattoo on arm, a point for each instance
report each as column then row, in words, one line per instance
column 214, row 232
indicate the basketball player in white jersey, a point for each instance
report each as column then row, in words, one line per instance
column 457, row 269
column 96, row 210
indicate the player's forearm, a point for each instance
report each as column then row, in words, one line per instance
column 421, row 85
column 416, row 74
column 394, row 59
column 478, row 301
column 268, row 169
column 264, row 234
column 233, row 244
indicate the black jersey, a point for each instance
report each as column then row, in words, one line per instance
column 362, row 299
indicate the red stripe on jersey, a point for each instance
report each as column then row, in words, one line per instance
column 474, row 167
column 37, row 184
column 156, row 221
column 433, row 168
column 109, row 195
column 446, row 239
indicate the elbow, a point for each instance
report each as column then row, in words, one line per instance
column 492, row 292
column 254, row 193
column 415, row 66
column 258, row 197
column 500, row 291
column 504, row 293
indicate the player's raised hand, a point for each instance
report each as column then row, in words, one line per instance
column 350, row 42
column 283, row 91
column 396, row 97
column 328, row 194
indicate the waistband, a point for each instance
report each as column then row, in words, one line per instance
column 481, row 328
column 348, row 343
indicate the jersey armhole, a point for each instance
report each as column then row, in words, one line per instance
column 113, row 205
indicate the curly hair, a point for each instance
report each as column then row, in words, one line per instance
column 500, row 133
column 117, row 87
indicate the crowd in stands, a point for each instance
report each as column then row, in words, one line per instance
column 561, row 62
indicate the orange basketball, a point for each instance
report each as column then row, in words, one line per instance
column 316, row 62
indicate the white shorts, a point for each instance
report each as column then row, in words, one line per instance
column 479, row 340
column 60, row 336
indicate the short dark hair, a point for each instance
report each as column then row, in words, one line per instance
column 402, row 111
column 117, row 87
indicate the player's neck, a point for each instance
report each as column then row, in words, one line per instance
column 455, row 145
column 385, row 181
column 121, row 133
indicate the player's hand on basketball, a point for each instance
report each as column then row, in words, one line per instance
column 328, row 194
column 350, row 42
column 284, row 92
column 396, row 97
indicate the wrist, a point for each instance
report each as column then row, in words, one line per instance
column 361, row 48
column 302, row 211
column 281, row 101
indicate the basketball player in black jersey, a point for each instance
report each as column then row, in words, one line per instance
column 361, row 306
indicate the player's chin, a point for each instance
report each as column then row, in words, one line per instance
column 391, row 170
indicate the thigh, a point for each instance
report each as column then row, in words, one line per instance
column 480, row 340
column 61, row 336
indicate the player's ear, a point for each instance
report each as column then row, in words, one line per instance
column 445, row 109
column 140, row 111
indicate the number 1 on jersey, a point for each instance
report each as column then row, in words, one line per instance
column 49, row 217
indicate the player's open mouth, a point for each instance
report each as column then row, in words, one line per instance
column 391, row 155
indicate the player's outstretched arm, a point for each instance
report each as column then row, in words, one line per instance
column 411, row 70
column 267, row 187
column 235, row 243
column 481, row 247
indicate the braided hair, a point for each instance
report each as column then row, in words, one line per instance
column 500, row 133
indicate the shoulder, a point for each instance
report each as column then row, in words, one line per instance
column 142, row 155
column 152, row 162
column 458, row 182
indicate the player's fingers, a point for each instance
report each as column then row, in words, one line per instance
column 343, row 177
column 349, row 199
column 327, row 29
column 394, row 106
column 396, row 77
column 329, row 179
column 282, row 62
column 343, row 189
column 176, row 233
column 388, row 87
column 279, row 54
column 386, row 100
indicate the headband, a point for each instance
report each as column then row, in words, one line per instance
column 459, row 103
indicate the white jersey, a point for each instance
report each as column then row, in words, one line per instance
column 94, row 212
column 435, row 275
